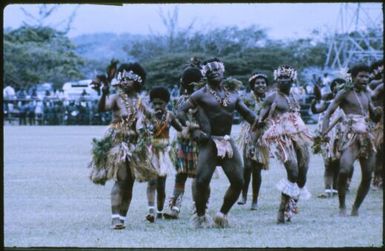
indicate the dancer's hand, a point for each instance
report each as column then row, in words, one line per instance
column 185, row 133
column 200, row 136
column 105, row 89
column 258, row 125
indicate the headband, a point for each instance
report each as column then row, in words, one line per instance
column 286, row 71
column 130, row 75
column 257, row 75
column 212, row 65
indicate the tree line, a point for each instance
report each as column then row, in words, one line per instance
column 37, row 54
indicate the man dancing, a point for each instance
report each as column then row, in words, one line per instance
column 330, row 148
column 218, row 148
column 118, row 155
column 288, row 134
column 357, row 141
column 255, row 154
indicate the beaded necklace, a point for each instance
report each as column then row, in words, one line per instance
column 130, row 104
column 222, row 101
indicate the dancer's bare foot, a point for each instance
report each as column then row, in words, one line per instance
column 242, row 201
column 254, row 205
column 117, row 224
column 354, row 212
column 221, row 220
column 342, row 212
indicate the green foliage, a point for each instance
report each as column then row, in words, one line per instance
column 33, row 55
column 100, row 149
column 243, row 51
column 165, row 69
column 39, row 54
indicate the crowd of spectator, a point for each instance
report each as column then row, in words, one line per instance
column 54, row 107
column 27, row 108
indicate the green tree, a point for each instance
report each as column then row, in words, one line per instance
column 39, row 54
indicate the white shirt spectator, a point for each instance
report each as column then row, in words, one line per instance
column 39, row 108
column 9, row 92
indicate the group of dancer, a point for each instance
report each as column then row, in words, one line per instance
column 137, row 144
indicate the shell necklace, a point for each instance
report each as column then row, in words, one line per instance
column 222, row 101
column 130, row 105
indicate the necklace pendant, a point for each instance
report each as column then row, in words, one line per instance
column 224, row 103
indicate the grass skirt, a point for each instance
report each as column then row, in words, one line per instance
column 286, row 134
column 330, row 149
column 251, row 145
column 160, row 157
column 357, row 131
column 118, row 149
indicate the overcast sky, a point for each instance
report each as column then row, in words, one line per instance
column 282, row 21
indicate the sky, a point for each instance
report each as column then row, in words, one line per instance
column 281, row 20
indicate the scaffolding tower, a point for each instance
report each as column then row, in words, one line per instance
column 358, row 36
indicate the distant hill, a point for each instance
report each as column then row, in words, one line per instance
column 99, row 48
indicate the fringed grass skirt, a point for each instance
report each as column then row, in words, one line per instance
column 287, row 135
column 357, row 131
column 117, row 150
column 160, row 157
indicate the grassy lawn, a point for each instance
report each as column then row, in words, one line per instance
column 49, row 202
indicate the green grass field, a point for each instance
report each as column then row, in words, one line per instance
column 50, row 202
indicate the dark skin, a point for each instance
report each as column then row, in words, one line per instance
column 121, row 193
column 331, row 165
column 159, row 184
column 197, row 134
column 378, row 97
column 114, row 103
column 251, row 167
column 274, row 105
column 347, row 101
column 220, row 118
column 297, row 164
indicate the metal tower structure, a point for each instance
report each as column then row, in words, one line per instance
column 350, row 42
